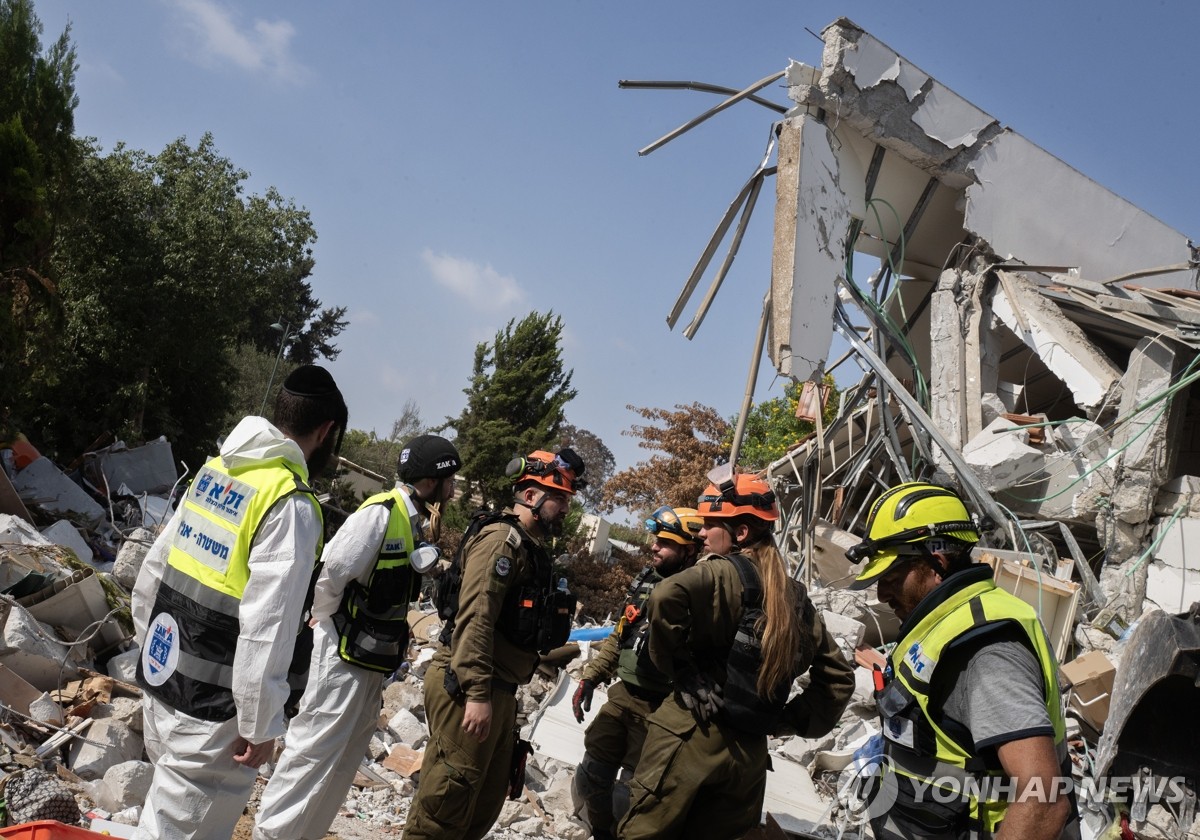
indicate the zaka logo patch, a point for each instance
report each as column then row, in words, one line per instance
column 160, row 657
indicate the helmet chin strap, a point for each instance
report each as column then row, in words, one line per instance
column 553, row 527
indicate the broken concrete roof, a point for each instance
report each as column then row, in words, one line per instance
column 875, row 139
column 1065, row 218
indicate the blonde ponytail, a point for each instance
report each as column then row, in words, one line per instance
column 779, row 626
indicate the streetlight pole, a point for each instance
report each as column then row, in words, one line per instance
column 284, row 328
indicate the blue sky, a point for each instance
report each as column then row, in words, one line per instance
column 465, row 163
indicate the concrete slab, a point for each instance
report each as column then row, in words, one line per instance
column 142, row 469
column 45, row 485
column 1065, row 217
column 812, row 219
column 1173, row 578
column 65, row 534
column 1059, row 343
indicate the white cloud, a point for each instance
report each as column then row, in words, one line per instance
column 364, row 317
column 263, row 48
column 481, row 286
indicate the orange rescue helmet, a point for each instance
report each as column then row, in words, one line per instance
column 741, row 495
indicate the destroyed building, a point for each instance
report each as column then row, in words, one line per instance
column 1029, row 337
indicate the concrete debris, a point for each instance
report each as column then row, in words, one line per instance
column 1029, row 337
column 124, row 785
column 129, row 558
column 45, row 486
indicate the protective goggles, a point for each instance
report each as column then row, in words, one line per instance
column 759, row 501
column 557, row 471
column 665, row 519
column 904, row 540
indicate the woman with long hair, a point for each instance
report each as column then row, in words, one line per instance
column 733, row 633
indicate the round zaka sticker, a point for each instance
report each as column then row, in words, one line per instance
column 503, row 566
column 160, row 656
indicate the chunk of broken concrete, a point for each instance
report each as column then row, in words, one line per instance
column 129, row 558
column 1002, row 456
column 123, row 666
column 124, row 785
column 65, row 534
column 33, row 652
column 46, row 710
column 109, row 742
column 405, row 726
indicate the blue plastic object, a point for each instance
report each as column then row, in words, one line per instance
column 589, row 634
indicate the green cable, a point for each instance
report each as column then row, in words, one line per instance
column 1028, row 547
column 1184, row 381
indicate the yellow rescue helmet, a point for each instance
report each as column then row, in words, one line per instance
column 681, row 525
column 910, row 519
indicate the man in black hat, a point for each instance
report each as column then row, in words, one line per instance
column 218, row 605
column 370, row 574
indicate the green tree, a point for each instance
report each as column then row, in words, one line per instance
column 688, row 443
column 167, row 273
column 598, row 460
column 772, row 427
column 37, row 156
column 514, row 403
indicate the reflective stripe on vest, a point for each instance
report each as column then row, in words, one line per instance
column 187, row 658
column 916, row 745
column 372, row 621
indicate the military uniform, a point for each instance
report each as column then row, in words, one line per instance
column 708, row 781
column 614, row 738
column 463, row 781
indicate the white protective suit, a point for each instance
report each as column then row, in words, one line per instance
column 328, row 738
column 198, row 790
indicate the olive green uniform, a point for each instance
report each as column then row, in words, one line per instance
column 615, row 736
column 463, row 782
column 708, row 781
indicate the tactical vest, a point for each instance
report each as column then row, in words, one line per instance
column 745, row 708
column 535, row 616
column 372, row 621
column 187, row 656
column 920, row 747
column 633, row 662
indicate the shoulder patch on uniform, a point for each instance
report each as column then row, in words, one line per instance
column 513, row 537
column 503, row 566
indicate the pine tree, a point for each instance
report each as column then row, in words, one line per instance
column 514, row 403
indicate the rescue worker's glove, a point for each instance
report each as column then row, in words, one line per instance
column 699, row 695
column 582, row 701
column 516, row 771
